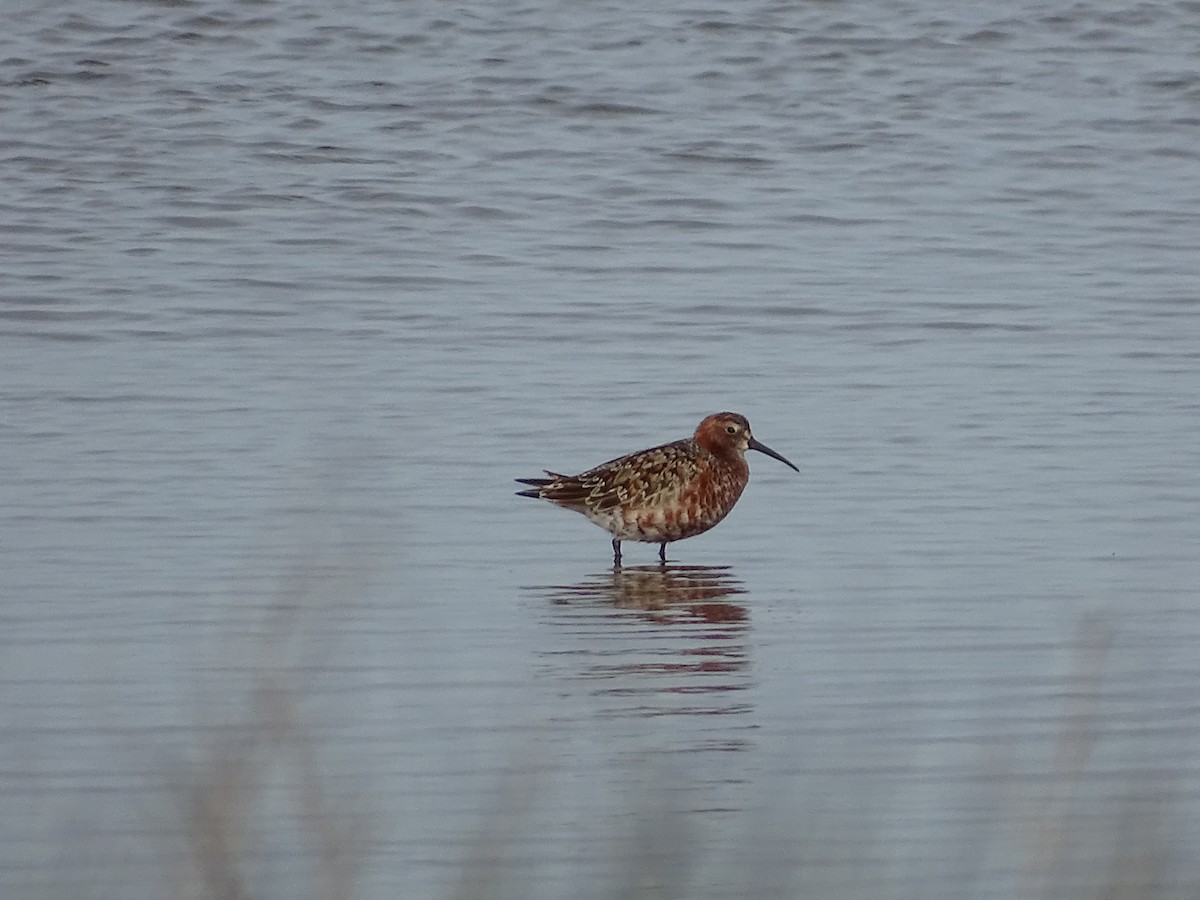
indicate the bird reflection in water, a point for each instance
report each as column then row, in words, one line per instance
column 657, row 641
column 665, row 593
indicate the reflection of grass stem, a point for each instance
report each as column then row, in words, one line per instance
column 486, row 861
column 658, row 863
column 1054, row 829
column 259, row 778
column 229, row 808
column 215, row 816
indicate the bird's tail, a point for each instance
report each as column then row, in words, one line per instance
column 538, row 484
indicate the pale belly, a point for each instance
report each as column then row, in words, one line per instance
column 653, row 525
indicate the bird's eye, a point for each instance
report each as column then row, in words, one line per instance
column 731, row 429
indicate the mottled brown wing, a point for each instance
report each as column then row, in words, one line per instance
column 647, row 478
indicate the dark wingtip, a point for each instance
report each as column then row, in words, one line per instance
column 535, row 482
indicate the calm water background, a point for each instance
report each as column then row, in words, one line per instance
column 289, row 293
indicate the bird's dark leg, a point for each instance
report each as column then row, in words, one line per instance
column 616, row 551
column 662, row 552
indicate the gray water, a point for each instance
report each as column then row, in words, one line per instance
column 290, row 293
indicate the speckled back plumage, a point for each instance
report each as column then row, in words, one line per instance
column 665, row 493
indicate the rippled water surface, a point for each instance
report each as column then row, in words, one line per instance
column 291, row 292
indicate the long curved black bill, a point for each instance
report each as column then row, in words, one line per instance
column 763, row 448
